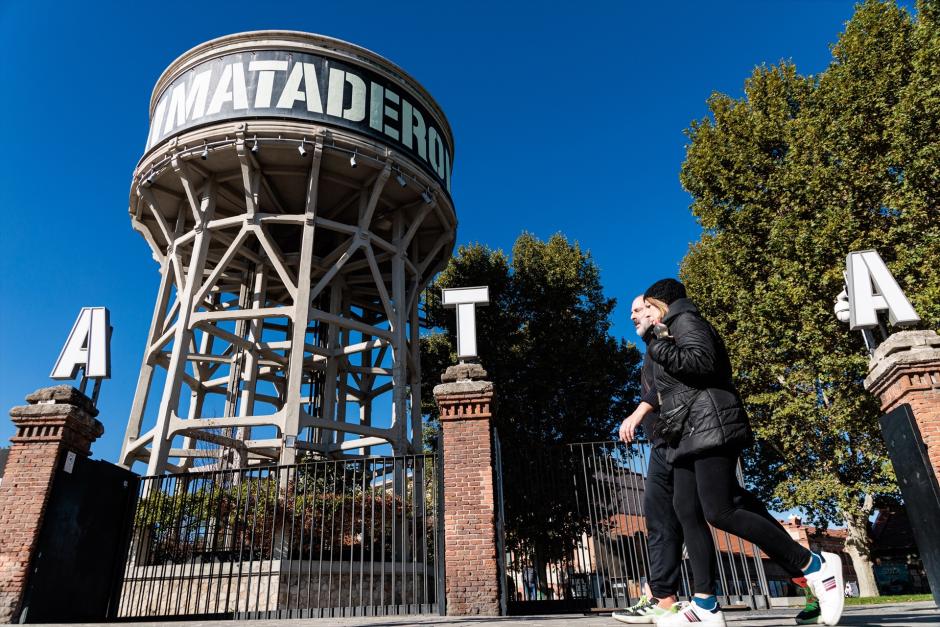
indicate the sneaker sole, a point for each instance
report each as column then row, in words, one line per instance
column 670, row 618
column 723, row 623
column 636, row 620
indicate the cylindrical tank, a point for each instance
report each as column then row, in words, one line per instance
column 295, row 190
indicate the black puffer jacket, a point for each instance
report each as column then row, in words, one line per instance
column 695, row 357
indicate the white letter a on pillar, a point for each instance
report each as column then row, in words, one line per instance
column 872, row 288
column 88, row 346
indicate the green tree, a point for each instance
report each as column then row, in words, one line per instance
column 785, row 182
column 560, row 376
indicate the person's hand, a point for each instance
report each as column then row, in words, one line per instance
column 628, row 427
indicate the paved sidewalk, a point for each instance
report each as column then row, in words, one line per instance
column 894, row 615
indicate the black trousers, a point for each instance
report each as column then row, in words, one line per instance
column 664, row 533
column 707, row 491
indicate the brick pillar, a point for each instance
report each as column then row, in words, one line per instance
column 472, row 575
column 905, row 368
column 57, row 420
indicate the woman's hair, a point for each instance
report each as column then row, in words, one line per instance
column 658, row 304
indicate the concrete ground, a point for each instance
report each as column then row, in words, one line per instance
column 893, row 615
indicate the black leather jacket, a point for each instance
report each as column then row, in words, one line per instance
column 694, row 358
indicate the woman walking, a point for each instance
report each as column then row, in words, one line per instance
column 704, row 424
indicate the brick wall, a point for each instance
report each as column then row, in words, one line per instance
column 906, row 369
column 57, row 420
column 920, row 387
column 472, row 574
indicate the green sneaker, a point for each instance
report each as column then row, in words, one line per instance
column 646, row 610
column 810, row 614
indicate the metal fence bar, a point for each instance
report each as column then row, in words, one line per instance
column 626, row 557
column 192, row 531
column 439, row 547
column 500, row 524
column 424, row 521
column 639, row 474
column 587, row 473
column 606, row 479
column 639, row 557
column 313, row 518
column 221, row 534
column 171, row 495
column 205, row 534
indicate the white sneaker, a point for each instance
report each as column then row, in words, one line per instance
column 689, row 613
column 828, row 586
column 644, row 611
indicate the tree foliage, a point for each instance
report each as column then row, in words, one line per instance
column 544, row 340
column 785, row 182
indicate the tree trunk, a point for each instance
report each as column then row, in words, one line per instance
column 858, row 547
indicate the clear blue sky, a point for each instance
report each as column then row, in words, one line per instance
column 567, row 117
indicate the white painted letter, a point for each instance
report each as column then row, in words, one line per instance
column 311, row 93
column 336, row 92
column 188, row 107
column 376, row 95
column 379, row 110
column 412, row 126
column 465, row 299
column 238, row 94
column 88, row 345
column 265, row 80
column 436, row 151
column 156, row 122
column 239, row 89
column 872, row 288
column 391, row 113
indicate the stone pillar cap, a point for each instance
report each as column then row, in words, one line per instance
column 902, row 348
column 62, row 395
column 906, row 341
column 463, row 378
column 464, row 371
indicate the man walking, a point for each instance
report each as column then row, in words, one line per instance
column 664, row 533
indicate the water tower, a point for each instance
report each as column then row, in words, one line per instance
column 295, row 191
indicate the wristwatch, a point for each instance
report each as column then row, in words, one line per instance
column 660, row 330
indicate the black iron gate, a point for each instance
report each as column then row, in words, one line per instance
column 574, row 533
column 349, row 537
column 82, row 543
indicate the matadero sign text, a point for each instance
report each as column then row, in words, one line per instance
column 289, row 84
